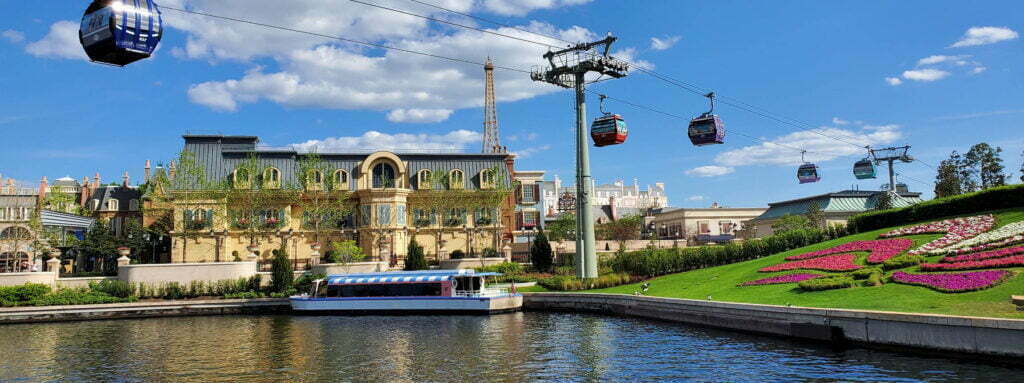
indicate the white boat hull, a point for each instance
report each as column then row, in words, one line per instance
column 495, row 304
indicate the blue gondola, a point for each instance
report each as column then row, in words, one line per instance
column 807, row 172
column 120, row 32
column 707, row 129
column 864, row 169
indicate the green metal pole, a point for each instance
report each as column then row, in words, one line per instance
column 584, row 215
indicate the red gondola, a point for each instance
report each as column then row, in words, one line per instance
column 609, row 129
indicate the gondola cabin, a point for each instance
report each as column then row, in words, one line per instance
column 808, row 173
column 120, row 32
column 707, row 129
column 609, row 129
column 864, row 169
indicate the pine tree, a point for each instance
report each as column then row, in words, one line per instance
column 884, row 201
column 540, row 253
column 815, row 215
column 985, row 161
column 281, row 272
column 947, row 180
column 415, row 260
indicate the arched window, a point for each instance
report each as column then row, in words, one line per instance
column 456, row 179
column 241, row 178
column 423, row 181
column 272, row 178
column 340, row 180
column 133, row 205
column 487, row 179
column 15, row 233
column 314, row 180
column 113, row 205
column 383, row 176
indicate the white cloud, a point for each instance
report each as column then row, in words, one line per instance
column 526, row 153
column 893, row 81
column 695, row 198
column 313, row 72
column 710, row 171
column 522, row 7
column 660, row 44
column 453, row 141
column 419, row 115
column 985, row 35
column 925, row 74
column 839, row 121
column 821, row 146
column 938, row 59
column 978, row 69
column 531, row 136
column 61, row 42
column 13, row 36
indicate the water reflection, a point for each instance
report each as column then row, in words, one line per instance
column 514, row 347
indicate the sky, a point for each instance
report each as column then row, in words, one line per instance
column 825, row 77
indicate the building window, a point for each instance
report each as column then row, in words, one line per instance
column 241, row 179
column 423, row 181
column 198, row 219
column 383, row 176
column 113, row 204
column 530, row 219
column 314, row 180
column 487, row 179
column 272, row 178
column 133, row 205
column 529, row 195
column 95, row 205
column 15, row 233
column 340, row 180
column 726, row 227
column 456, row 179
column 703, row 227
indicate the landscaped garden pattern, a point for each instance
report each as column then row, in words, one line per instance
column 880, row 250
column 841, row 262
column 989, row 294
column 1010, row 234
column 956, row 230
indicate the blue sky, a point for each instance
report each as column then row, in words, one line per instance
column 938, row 75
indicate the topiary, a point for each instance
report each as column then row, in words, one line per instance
column 457, row 254
column 540, row 253
column 282, row 277
column 415, row 259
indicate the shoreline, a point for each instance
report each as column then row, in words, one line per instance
column 903, row 332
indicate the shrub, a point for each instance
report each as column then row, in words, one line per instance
column 506, row 268
column 491, row 253
column 457, row 254
column 826, row 283
column 571, row 283
column 235, row 257
column 15, row 295
column 864, row 273
column 875, row 279
column 1002, row 197
column 415, row 259
column 173, row 290
column 902, row 261
column 245, row 295
column 81, row 296
column 282, row 277
column 113, row 288
column 540, row 252
column 305, row 282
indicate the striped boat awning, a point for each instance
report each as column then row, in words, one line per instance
column 394, row 279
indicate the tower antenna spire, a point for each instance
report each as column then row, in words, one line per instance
column 492, row 140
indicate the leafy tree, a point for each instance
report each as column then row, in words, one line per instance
column 540, row 253
column 345, row 252
column 282, row 276
column 252, row 198
column 100, row 244
column 947, row 180
column 986, row 162
column 563, row 228
column 815, row 216
column 623, row 229
column 885, row 201
column 965, row 172
column 192, row 192
column 324, row 202
column 790, row 222
column 58, row 200
column 415, row 260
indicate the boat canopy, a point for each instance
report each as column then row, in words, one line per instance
column 404, row 277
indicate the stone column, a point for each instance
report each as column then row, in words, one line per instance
column 53, row 265
column 507, row 252
column 123, row 261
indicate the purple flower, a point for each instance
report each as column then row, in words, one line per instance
column 881, row 250
column 954, row 283
column 778, row 279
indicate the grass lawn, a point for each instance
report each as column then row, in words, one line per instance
column 720, row 283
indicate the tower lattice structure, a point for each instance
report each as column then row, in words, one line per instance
column 492, row 141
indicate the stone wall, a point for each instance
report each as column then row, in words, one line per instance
column 988, row 336
column 469, row 263
column 355, row 267
column 185, row 273
column 18, row 279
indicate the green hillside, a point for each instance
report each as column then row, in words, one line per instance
column 720, row 283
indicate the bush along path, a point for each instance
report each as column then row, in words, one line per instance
column 920, row 267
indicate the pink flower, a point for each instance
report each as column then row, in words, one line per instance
column 954, row 283
column 778, row 279
column 986, row 255
column 841, row 262
column 1014, row 261
column 881, row 250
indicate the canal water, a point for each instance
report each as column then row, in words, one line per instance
column 512, row 347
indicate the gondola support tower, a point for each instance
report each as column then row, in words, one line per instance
column 568, row 69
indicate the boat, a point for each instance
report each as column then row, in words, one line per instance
column 433, row 291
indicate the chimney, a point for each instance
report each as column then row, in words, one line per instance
column 42, row 190
column 615, row 212
column 171, row 171
column 96, row 181
column 146, row 176
column 125, row 180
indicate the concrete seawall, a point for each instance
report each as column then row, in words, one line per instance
column 944, row 333
column 142, row 310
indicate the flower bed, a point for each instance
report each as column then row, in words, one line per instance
column 956, row 230
column 1014, row 261
column 954, row 283
column 779, row 279
column 881, row 250
column 1010, row 234
column 985, row 255
column 841, row 262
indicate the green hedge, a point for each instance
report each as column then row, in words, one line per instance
column 902, row 261
column 826, row 283
column 655, row 262
column 571, row 283
column 1003, row 197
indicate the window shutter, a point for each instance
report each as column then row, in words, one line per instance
column 536, row 192
column 188, row 216
column 280, row 215
column 519, row 194
column 209, row 218
column 433, row 216
column 519, row 220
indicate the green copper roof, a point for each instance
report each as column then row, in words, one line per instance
column 850, row 201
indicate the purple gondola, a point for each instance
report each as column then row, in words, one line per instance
column 120, row 32
column 807, row 172
column 707, row 129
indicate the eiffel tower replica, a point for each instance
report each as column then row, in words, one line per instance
column 492, row 141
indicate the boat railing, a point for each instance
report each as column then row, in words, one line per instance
column 486, row 292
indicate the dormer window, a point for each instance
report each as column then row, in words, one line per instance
column 423, row 181
column 340, row 180
column 487, row 179
column 241, row 179
column 456, row 179
column 315, row 180
column 133, row 205
column 383, row 176
column 95, row 205
column 112, row 205
column 272, row 178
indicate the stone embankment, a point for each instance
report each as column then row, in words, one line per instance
column 950, row 335
column 35, row 314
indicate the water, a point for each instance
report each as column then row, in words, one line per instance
column 513, row 347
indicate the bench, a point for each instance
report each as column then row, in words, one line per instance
column 1019, row 301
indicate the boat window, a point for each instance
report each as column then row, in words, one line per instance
column 388, row 290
